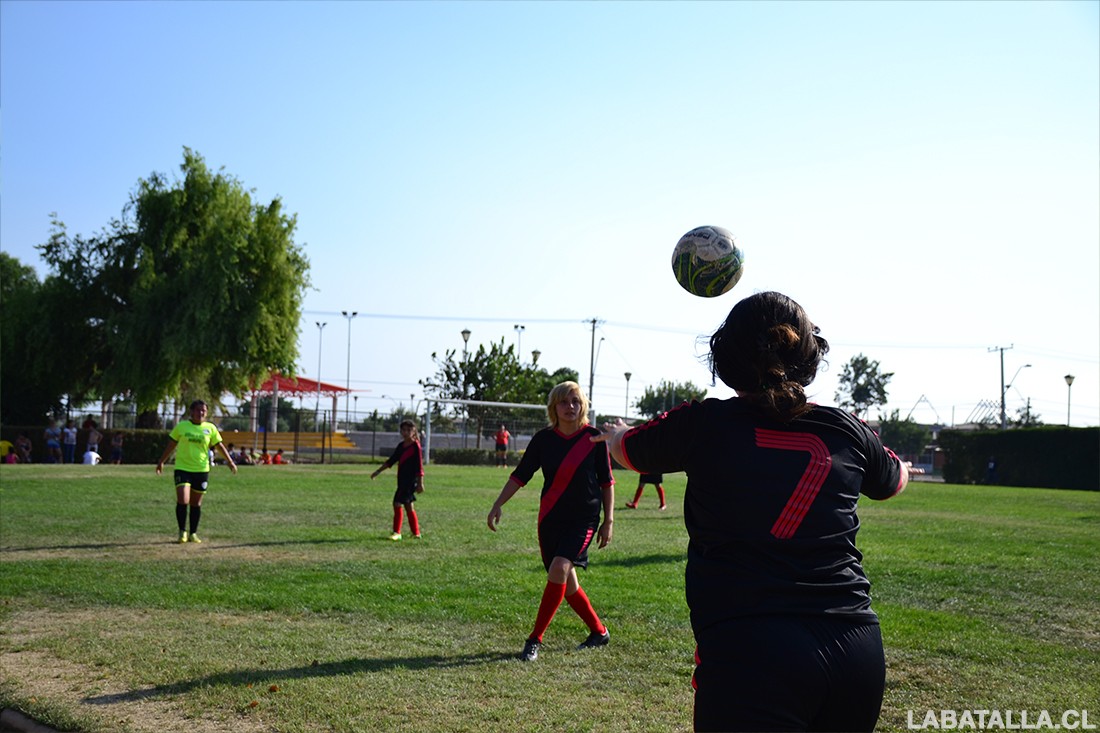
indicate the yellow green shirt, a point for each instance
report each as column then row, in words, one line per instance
column 193, row 445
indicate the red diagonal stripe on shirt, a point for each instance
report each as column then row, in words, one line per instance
column 564, row 475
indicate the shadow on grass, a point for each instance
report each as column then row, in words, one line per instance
column 636, row 560
column 315, row 669
column 209, row 545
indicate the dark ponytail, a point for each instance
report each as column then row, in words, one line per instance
column 769, row 351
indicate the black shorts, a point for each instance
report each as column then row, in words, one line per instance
column 502, row 447
column 406, row 493
column 570, row 541
column 197, row 481
column 782, row 673
column 650, row 478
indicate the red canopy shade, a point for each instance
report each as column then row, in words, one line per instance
column 298, row 386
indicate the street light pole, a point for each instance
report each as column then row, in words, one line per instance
column 519, row 329
column 347, row 394
column 1009, row 386
column 1069, row 391
column 465, row 377
column 626, row 407
column 320, row 337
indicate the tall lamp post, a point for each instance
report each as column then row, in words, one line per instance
column 320, row 338
column 1006, row 388
column 519, row 329
column 347, row 394
column 1069, row 390
column 465, row 364
column 626, row 407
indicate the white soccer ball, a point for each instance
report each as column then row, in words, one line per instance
column 707, row 261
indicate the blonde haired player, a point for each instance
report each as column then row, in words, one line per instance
column 577, row 482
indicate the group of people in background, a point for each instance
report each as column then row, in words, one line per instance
column 245, row 457
column 61, row 444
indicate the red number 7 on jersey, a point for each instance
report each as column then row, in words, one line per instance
column 813, row 478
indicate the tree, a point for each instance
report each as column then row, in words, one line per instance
column 490, row 375
column 862, row 385
column 1026, row 418
column 666, row 395
column 194, row 293
column 903, row 436
column 30, row 388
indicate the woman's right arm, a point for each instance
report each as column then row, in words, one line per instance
column 164, row 456
column 509, row 490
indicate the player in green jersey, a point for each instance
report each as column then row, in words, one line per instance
column 192, row 440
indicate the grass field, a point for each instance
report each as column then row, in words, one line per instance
column 298, row 614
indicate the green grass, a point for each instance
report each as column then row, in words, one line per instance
column 988, row 599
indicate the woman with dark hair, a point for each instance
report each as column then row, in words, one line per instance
column 193, row 441
column 780, row 605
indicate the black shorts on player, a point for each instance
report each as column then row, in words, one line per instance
column 197, row 481
column 570, row 541
column 793, row 673
column 406, row 491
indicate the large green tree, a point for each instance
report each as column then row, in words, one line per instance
column 31, row 384
column 194, row 293
column 666, row 395
column 492, row 374
column 862, row 385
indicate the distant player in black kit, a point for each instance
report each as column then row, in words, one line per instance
column 649, row 478
column 410, row 478
column 577, row 483
column 780, row 605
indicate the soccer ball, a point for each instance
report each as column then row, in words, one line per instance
column 707, row 262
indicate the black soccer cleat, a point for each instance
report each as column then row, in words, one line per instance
column 596, row 640
column 530, row 651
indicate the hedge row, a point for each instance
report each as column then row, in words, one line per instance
column 1045, row 457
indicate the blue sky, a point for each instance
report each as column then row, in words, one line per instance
column 923, row 177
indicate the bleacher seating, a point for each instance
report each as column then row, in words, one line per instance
column 286, row 441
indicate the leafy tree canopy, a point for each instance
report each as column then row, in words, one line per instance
column 862, row 385
column 492, row 374
column 666, row 395
column 903, row 436
column 30, row 386
column 195, row 292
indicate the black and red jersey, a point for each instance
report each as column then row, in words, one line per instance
column 770, row 507
column 410, row 465
column 575, row 472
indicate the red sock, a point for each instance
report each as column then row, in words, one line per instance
column 414, row 524
column 638, row 495
column 579, row 602
column 551, row 599
column 397, row 520
column 661, row 493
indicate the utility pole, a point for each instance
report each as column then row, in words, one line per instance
column 1002, row 349
column 592, row 367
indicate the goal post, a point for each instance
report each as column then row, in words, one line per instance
column 521, row 420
